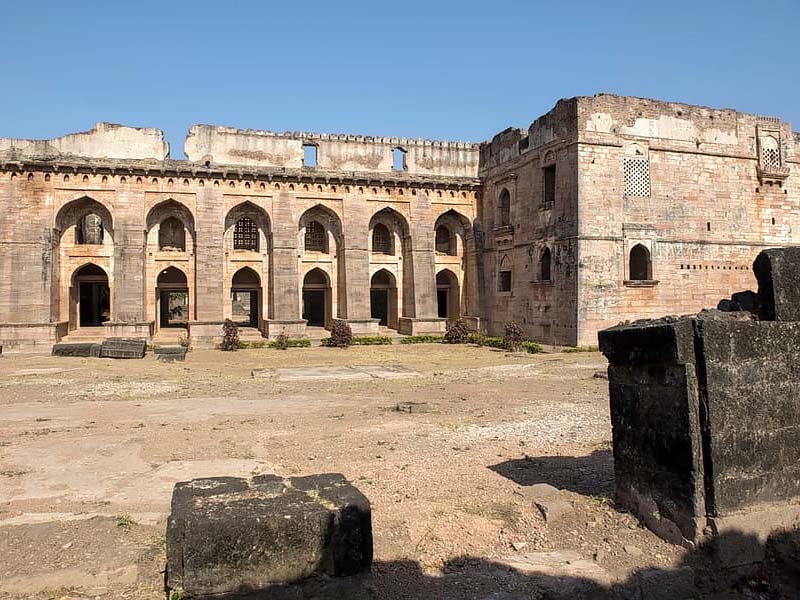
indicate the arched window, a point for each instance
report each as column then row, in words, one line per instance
column 504, row 208
column 381, row 240
column 443, row 240
column 640, row 268
column 89, row 230
column 171, row 235
column 316, row 239
column 245, row 234
column 504, row 276
column 545, row 265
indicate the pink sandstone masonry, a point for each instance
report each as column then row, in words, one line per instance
column 605, row 209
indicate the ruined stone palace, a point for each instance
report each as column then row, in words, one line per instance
column 605, row 209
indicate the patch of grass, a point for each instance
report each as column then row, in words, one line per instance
column 366, row 340
column 290, row 343
column 573, row 349
column 532, row 347
column 252, row 345
column 125, row 522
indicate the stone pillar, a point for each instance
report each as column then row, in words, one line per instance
column 129, row 318
column 355, row 271
column 208, row 312
column 284, row 293
column 421, row 313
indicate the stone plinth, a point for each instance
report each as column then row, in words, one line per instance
column 31, row 337
column 229, row 535
column 292, row 328
column 143, row 330
column 412, row 326
column 364, row 326
column 205, row 334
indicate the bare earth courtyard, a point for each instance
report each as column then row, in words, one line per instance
column 91, row 448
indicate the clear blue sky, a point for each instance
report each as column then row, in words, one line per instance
column 449, row 70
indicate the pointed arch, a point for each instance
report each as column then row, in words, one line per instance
column 448, row 296
column 545, row 266
column 504, row 208
column 247, row 226
column 317, row 226
column 75, row 212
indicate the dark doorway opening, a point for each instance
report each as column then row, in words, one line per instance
column 441, row 300
column 379, row 306
column 173, row 295
column 94, row 296
column 245, row 297
column 314, row 307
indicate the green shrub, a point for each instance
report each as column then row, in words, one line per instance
column 341, row 334
column 581, row 349
column 422, row 339
column 230, row 336
column 372, row 340
column 282, row 343
column 532, row 347
column 457, row 332
column 512, row 336
column 252, row 345
column 492, row 342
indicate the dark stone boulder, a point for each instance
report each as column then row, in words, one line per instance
column 778, row 273
column 228, row 535
column 123, row 348
column 76, row 349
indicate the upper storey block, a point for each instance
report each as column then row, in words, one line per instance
column 105, row 141
column 330, row 152
column 617, row 120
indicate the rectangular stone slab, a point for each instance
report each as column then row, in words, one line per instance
column 76, row 349
column 123, row 348
column 229, row 535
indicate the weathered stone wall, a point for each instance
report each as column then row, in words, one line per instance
column 712, row 205
column 338, row 152
column 513, row 162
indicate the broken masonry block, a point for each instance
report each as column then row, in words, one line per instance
column 778, row 273
column 123, row 348
column 228, row 535
column 76, row 349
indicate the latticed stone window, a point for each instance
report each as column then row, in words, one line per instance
column 90, row 230
column 637, row 177
column 381, row 240
column 245, row 235
column 770, row 153
column 315, row 237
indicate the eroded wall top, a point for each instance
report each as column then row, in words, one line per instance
column 335, row 152
column 106, row 140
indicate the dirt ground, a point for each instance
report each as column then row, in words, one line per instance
column 91, row 448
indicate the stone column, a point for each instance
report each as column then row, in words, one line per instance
column 206, row 327
column 355, row 269
column 421, row 309
column 127, row 281
column 284, row 293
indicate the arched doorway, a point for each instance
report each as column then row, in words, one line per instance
column 91, row 296
column 383, row 298
column 316, row 298
column 245, row 297
column 447, row 295
column 172, row 291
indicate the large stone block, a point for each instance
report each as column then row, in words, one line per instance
column 229, row 535
column 76, row 349
column 778, row 273
column 123, row 348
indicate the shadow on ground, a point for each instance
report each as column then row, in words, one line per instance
column 591, row 475
column 473, row 578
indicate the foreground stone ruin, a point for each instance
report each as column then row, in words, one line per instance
column 109, row 348
column 705, row 412
column 229, row 535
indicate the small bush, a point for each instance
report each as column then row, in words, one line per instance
column 580, row 349
column 512, row 336
column 422, row 339
column 251, row 345
column 341, row 334
column 532, row 347
column 230, row 337
column 492, row 342
column 457, row 332
column 282, row 342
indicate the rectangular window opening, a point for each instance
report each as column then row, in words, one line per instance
column 399, row 159
column 549, row 174
column 309, row 155
column 504, row 283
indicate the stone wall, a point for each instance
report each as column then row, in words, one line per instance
column 337, row 152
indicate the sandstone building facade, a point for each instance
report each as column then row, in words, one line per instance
column 606, row 209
